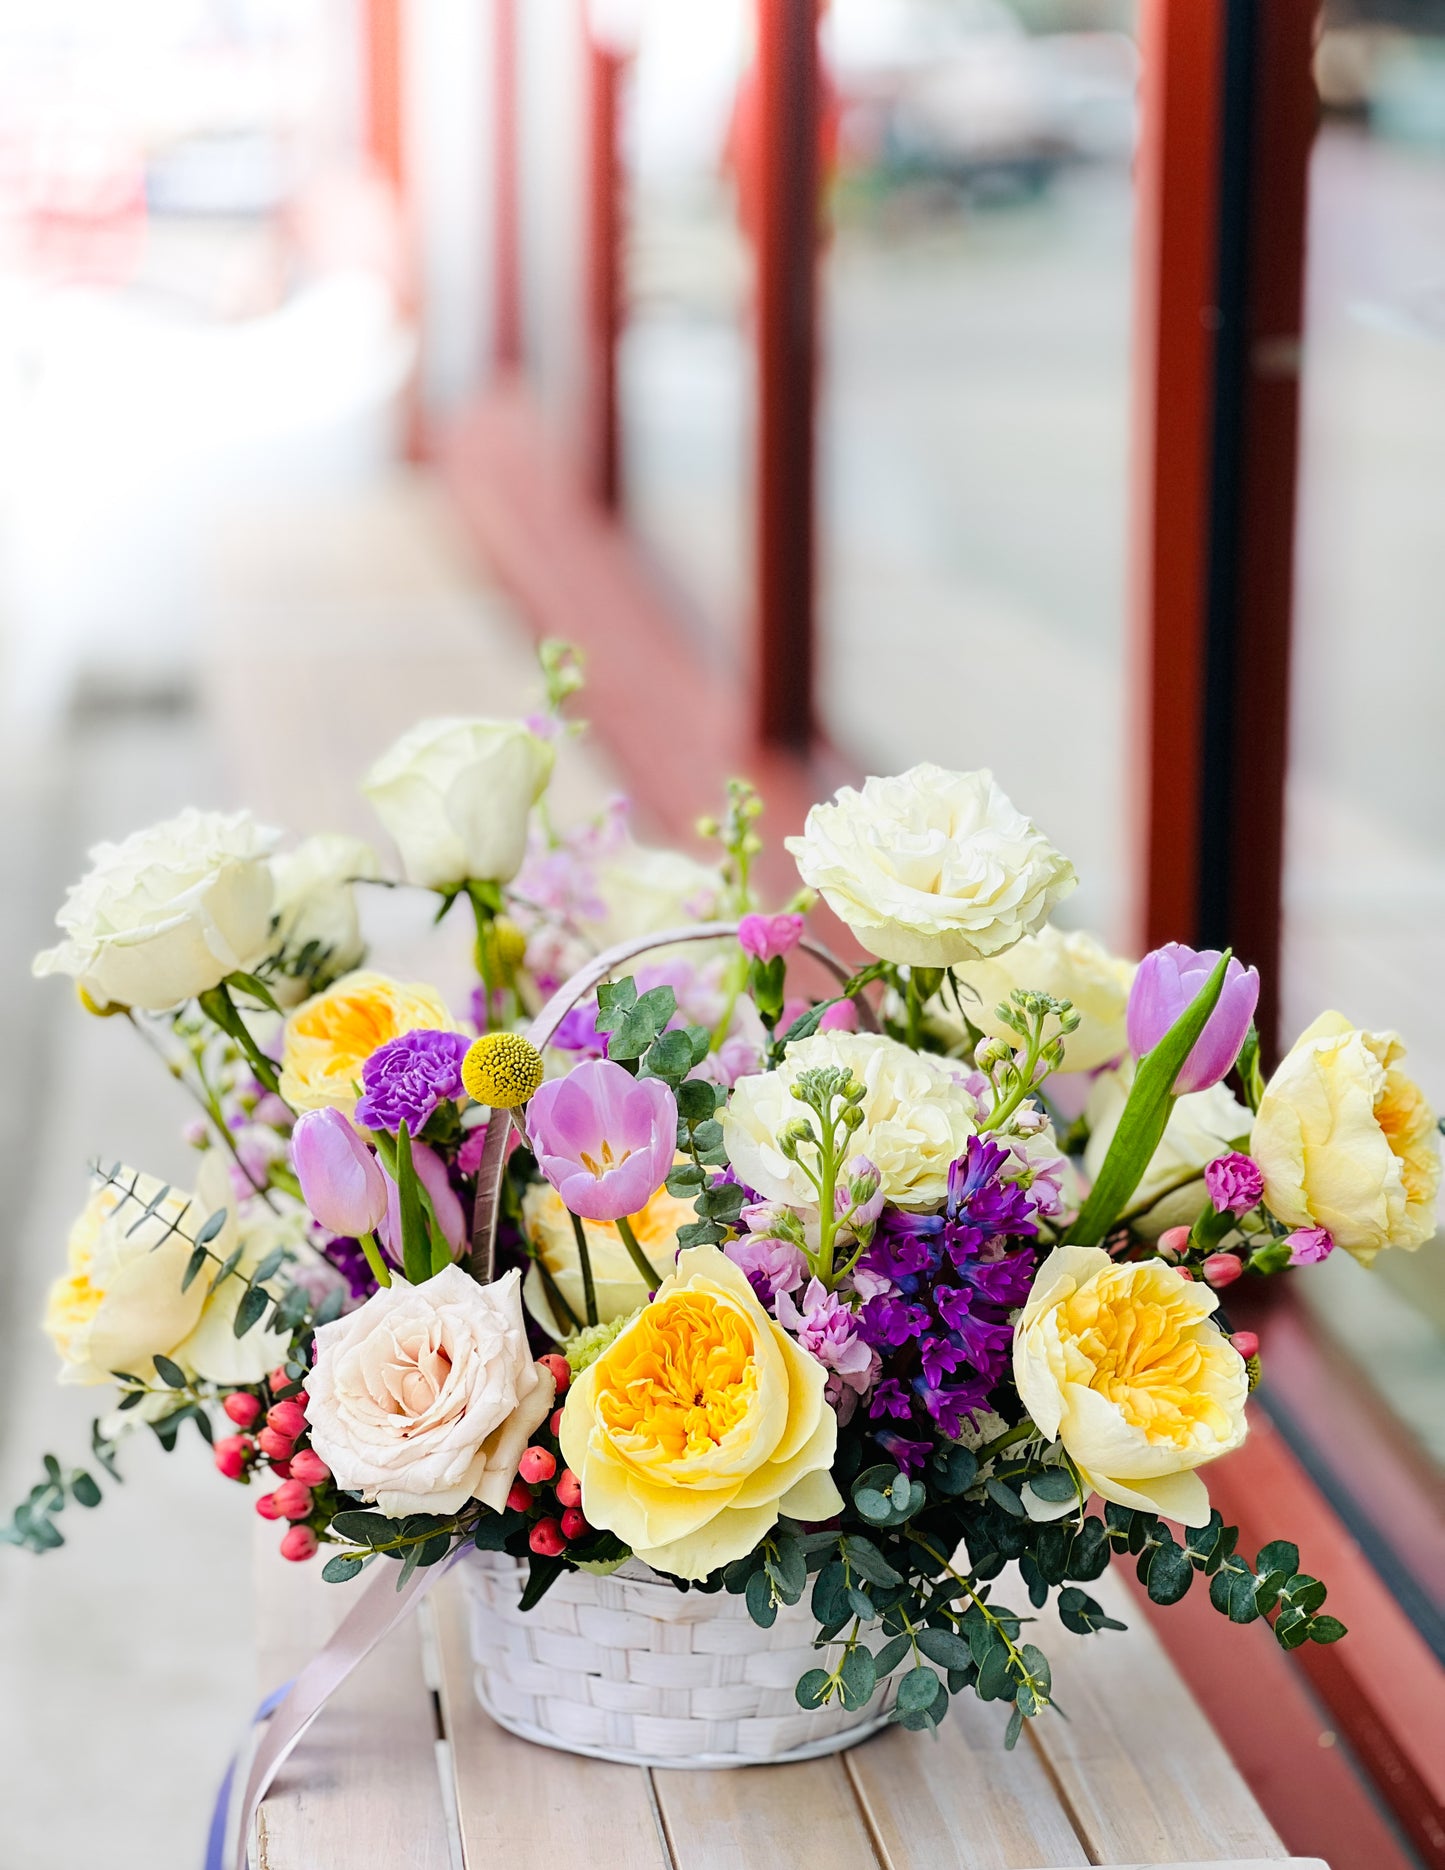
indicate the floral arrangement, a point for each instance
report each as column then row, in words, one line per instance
column 864, row 1295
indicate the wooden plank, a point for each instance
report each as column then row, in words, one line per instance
column 960, row 1802
column 1143, row 1775
column 523, row 1804
column 361, row 1788
column 756, row 1817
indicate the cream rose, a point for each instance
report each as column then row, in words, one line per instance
column 1124, row 1365
column 700, row 1423
column 1067, row 963
column 425, row 1396
column 1347, row 1141
column 617, row 1284
column 317, row 930
column 917, row 1119
column 931, row 868
column 456, row 796
column 1202, row 1125
column 169, row 912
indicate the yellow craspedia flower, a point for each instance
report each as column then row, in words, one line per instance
column 330, row 1036
column 700, row 1423
column 1347, row 1141
column 1124, row 1365
column 502, row 1070
column 617, row 1283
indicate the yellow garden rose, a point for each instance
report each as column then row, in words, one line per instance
column 616, row 1281
column 700, row 1423
column 1123, row 1364
column 331, row 1036
column 1347, row 1141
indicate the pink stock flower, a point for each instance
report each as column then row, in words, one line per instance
column 1234, row 1183
column 341, row 1181
column 1167, row 981
column 840, row 1018
column 772, row 1265
column 1309, row 1245
column 828, row 1329
column 604, row 1139
column 767, row 937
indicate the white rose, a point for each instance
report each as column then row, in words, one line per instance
column 1202, row 1125
column 425, row 1396
column 168, row 913
column 456, row 795
column 315, row 908
column 917, row 1119
column 931, row 868
column 648, row 890
column 1069, row 964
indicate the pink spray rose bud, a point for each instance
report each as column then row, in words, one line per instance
column 1309, row 1245
column 242, row 1407
column 266, row 1506
column 274, row 1445
column 340, row 1178
column 1167, row 981
column 547, row 1539
column 573, row 1524
column 1235, row 1183
column 767, row 937
column 840, row 1018
column 1221, row 1269
column 231, row 1454
column 1246, row 1343
column 299, row 1544
column 287, row 1418
column 308, row 1467
column 604, row 1139
column 536, row 1465
column 1174, row 1242
column 569, row 1488
column 292, row 1500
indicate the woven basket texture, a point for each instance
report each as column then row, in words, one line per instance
column 629, row 1668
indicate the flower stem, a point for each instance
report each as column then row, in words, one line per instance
column 584, row 1258
column 371, row 1247
column 1008, row 1439
column 206, row 1100
column 562, row 1312
column 636, row 1255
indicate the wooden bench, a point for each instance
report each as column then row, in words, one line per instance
column 404, row 1769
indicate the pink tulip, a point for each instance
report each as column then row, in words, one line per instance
column 604, row 1139
column 341, row 1180
column 431, row 1172
column 767, row 937
column 1167, row 981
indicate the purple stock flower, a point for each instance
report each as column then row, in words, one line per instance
column 408, row 1077
column 341, row 1181
column 1167, row 981
column 1234, row 1183
column 1309, row 1245
column 773, row 1266
column 604, row 1139
column 578, row 1032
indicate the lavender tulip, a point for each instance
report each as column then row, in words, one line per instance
column 341, row 1180
column 604, row 1139
column 1167, row 981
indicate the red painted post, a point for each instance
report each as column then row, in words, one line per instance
column 382, row 67
column 786, row 122
column 506, row 208
column 604, row 277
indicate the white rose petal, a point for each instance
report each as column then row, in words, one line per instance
column 931, row 868
column 315, row 906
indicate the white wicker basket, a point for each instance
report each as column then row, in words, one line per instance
column 629, row 1668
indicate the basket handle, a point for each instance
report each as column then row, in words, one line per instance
column 542, row 1031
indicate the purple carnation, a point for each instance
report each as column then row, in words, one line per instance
column 1235, row 1183
column 408, row 1077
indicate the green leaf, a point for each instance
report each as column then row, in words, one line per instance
column 365, row 1528
column 875, row 1506
column 1326, row 1630
column 669, row 1057
column 868, row 1561
column 736, row 1575
column 1080, row 1613
column 1089, row 1552
column 193, row 1268
column 227, row 1267
column 1003, row 1495
column 829, row 1603
column 813, row 1688
column 249, row 1312
column 1014, row 1729
column 759, row 1599
column 1303, row 1592
column 892, row 1653
column 641, row 1024
column 1054, row 1484
column 542, row 1574
column 615, row 999
column 1231, row 1590
column 685, row 1179
column 269, row 1266
column 1167, row 1573
column 696, row 1100
column 954, row 1470
column 945, row 1648
column 1291, row 1628
column 211, row 1226
column 171, row 1374
column 1278, row 1555
column 788, row 1570
column 415, row 1248
column 1145, row 1115
column 256, row 987
column 492, row 1532
column 918, row 1690
column 339, row 1569
column 83, row 1488
column 995, row 1680
column 857, row 1677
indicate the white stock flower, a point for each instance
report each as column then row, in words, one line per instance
column 425, row 1396
column 169, row 912
column 1071, row 965
column 917, row 1119
column 456, row 796
column 931, row 868
column 315, row 907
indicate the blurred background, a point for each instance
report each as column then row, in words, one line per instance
column 1054, row 385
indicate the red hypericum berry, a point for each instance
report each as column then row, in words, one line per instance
column 1246, row 1343
column 300, row 1543
column 569, row 1488
column 266, row 1506
column 278, row 1379
column 573, row 1524
column 1222, row 1269
column 274, row 1445
column 231, row 1454
column 281, row 1469
column 293, row 1501
column 547, row 1539
column 520, row 1498
column 555, row 1424
column 242, row 1407
column 1184, row 1273
column 308, row 1466
column 560, row 1368
column 536, row 1465
column 287, row 1418
column 1174, row 1241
